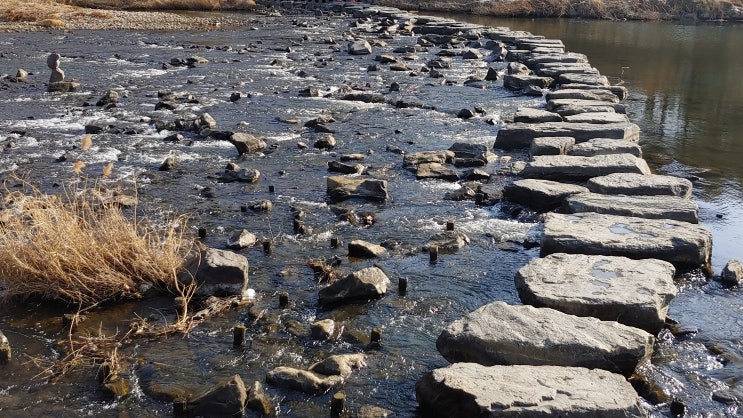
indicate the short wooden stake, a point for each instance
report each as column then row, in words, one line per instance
column 402, row 285
column 238, row 335
column 283, row 300
column 267, row 247
column 338, row 404
column 450, row 226
column 433, row 253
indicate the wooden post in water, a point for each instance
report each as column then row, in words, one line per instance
column 271, row 188
column 202, row 232
column 338, row 405
column 334, row 242
column 283, row 300
column 450, row 225
column 402, row 286
column 267, row 246
column 433, row 253
column 238, row 335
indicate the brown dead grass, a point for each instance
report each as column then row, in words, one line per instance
column 165, row 4
column 74, row 249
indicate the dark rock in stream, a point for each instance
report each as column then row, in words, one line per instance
column 226, row 398
column 366, row 284
column 362, row 249
column 340, row 188
column 247, row 143
column 217, row 272
column 732, row 273
column 110, row 98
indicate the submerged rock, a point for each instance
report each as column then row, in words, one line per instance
column 340, row 365
column 366, row 284
column 303, row 380
column 473, row 390
column 499, row 333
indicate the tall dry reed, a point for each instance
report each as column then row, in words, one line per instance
column 75, row 249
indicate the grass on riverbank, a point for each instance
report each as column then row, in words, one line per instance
column 165, row 4
column 74, row 249
column 601, row 9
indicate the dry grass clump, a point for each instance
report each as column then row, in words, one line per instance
column 31, row 11
column 74, row 249
column 166, row 4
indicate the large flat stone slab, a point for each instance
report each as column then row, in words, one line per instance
column 592, row 233
column 637, row 184
column 519, row 135
column 606, row 146
column 650, row 207
column 531, row 115
column 498, row 333
column 541, row 195
column 597, row 117
column 598, row 94
column 632, row 292
column 571, row 167
column 473, row 390
column 590, row 79
column 568, row 107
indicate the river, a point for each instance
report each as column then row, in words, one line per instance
column 271, row 63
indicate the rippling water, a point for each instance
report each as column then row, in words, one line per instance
column 438, row 293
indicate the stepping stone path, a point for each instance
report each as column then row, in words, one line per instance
column 604, row 282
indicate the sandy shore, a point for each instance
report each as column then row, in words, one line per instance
column 85, row 19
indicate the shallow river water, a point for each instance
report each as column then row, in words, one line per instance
column 271, row 62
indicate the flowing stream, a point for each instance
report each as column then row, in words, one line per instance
column 689, row 129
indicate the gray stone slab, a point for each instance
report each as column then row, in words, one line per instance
column 567, row 107
column 531, row 115
column 591, row 79
column 632, row 292
column 597, row 117
column 520, row 81
column 551, row 145
column 636, row 184
column 519, row 135
column 650, row 207
column 600, row 94
column 498, row 333
column 620, row 91
column 541, row 195
column 554, row 70
column 571, row 167
column 605, row 146
column 680, row 243
column 473, row 390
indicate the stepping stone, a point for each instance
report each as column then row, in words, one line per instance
column 473, row 390
column 597, row 117
column 498, row 333
column 606, row 146
column 568, row 107
column 541, row 195
column 620, row 91
column 519, row 135
column 555, row 69
column 551, row 145
column 340, row 188
column 637, row 184
column 598, row 94
column 521, row 81
column 537, row 60
column 650, row 207
column 680, row 243
column 591, row 79
column 531, row 115
column 571, row 167
column 632, row 292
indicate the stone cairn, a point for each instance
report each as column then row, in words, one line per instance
column 56, row 80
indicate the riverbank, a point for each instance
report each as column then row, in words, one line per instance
column 37, row 15
column 704, row 10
